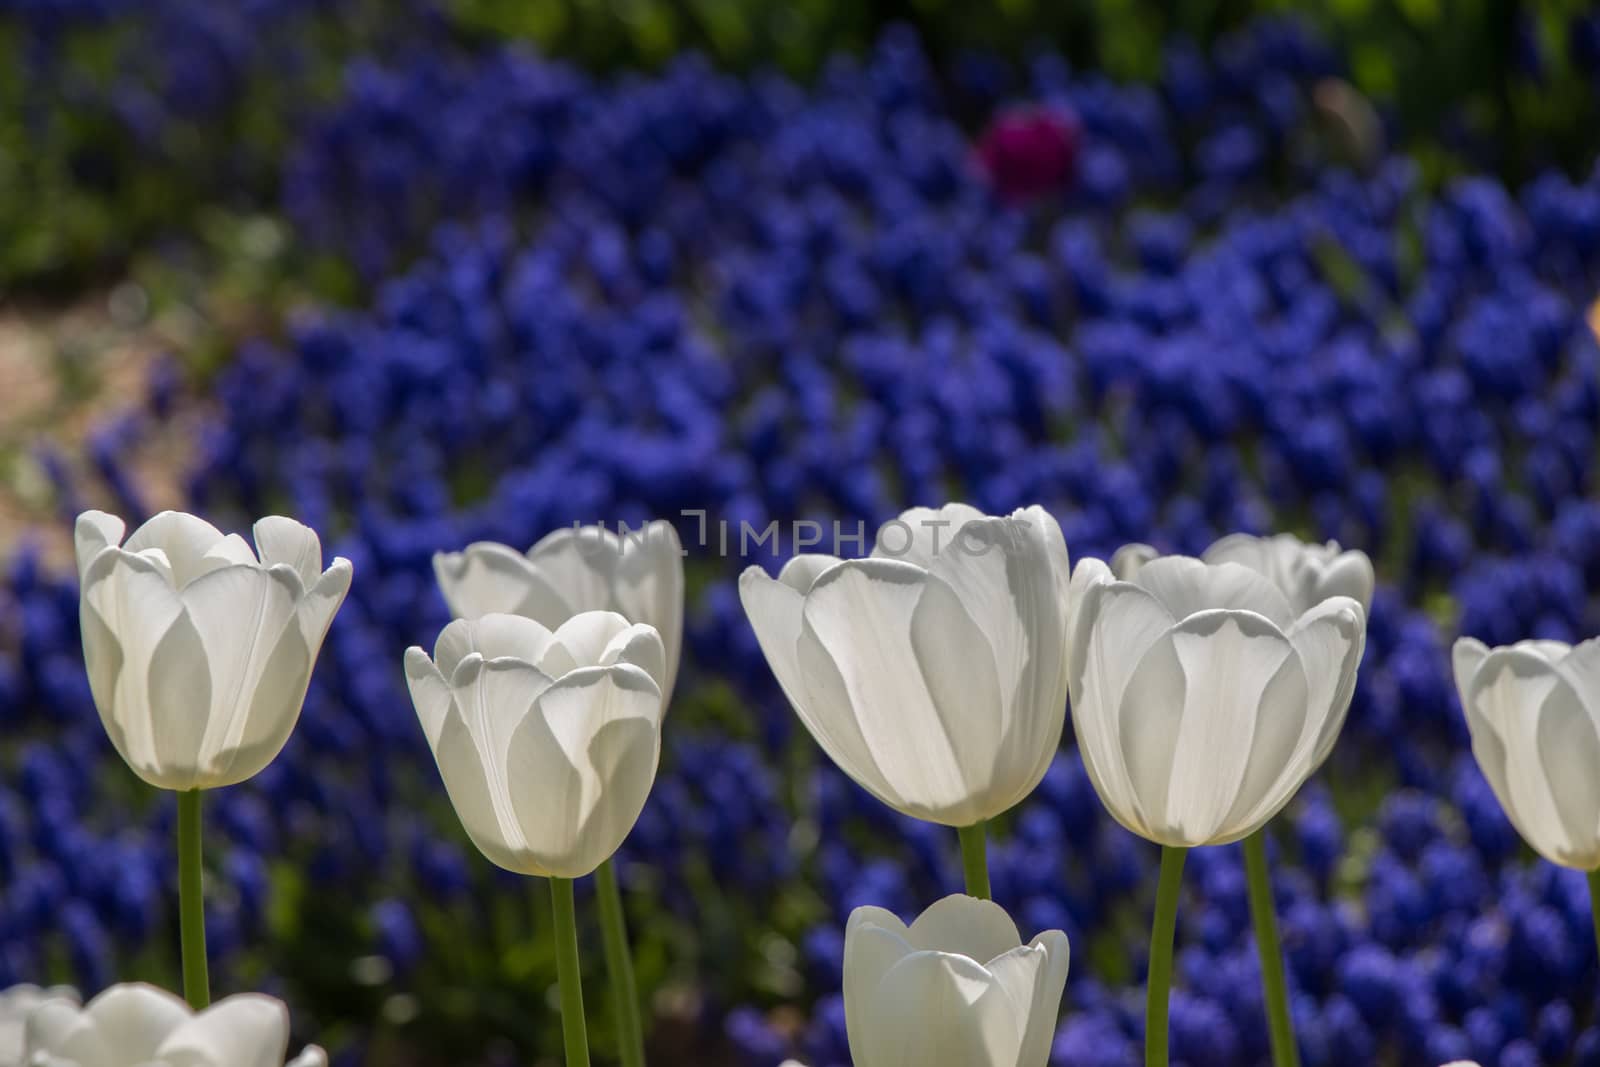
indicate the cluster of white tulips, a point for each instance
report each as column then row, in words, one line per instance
column 1204, row 692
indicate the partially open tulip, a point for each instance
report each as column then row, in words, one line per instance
column 1533, row 709
column 636, row 573
column 199, row 649
column 1200, row 697
column 957, row 988
column 547, row 741
column 932, row 672
column 137, row 1025
column 1306, row 574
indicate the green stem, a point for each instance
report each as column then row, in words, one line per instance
column 1280, row 1026
column 573, row 1028
column 619, row 967
column 1594, row 903
column 975, row 859
column 192, row 902
column 1159, row 984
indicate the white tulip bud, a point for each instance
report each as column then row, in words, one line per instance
column 199, row 651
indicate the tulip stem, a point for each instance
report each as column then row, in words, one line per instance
column 1594, row 903
column 1280, row 1026
column 1159, row 983
column 192, row 902
column 619, row 967
column 573, row 1027
column 975, row 859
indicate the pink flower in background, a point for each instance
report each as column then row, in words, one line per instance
column 1028, row 151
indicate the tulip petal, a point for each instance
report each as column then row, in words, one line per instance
column 580, row 564
column 283, row 540
column 802, row 572
column 241, row 612
column 581, row 641
column 1127, row 560
column 490, row 637
column 1569, row 754
column 492, row 579
column 1023, row 974
column 466, row 781
column 93, row 532
column 860, row 614
column 581, row 766
column 1237, row 668
column 313, row 1056
column 775, row 609
column 980, row 929
column 1329, row 640
column 1466, row 656
column 1502, row 716
column 133, row 621
column 186, row 539
column 430, row 693
column 260, row 734
column 1349, row 574
column 934, row 1009
column 649, row 589
column 874, row 942
column 1116, row 624
column 1186, row 586
column 245, row 1030
column 640, row 645
column 134, row 1019
column 1048, row 989
column 60, row 1029
column 920, row 535
column 494, row 696
column 321, row 602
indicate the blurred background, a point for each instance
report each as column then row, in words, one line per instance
column 421, row 273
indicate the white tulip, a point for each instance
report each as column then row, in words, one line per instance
column 547, row 741
column 1533, row 709
column 1200, row 698
column 198, row 651
column 1306, row 574
column 137, row 1025
column 957, row 988
column 638, row 574
column 16, row 1004
column 933, row 672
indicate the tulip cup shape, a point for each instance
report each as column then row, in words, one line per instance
column 932, row 672
column 957, row 988
column 636, row 573
column 1200, row 700
column 137, row 1025
column 547, row 741
column 199, row 650
column 1533, row 710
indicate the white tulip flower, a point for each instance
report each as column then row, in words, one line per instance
column 199, row 651
column 636, row 573
column 547, row 741
column 957, row 988
column 1533, row 710
column 1305, row 573
column 932, row 672
column 137, row 1025
column 1200, row 698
